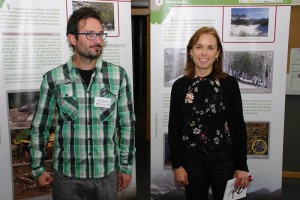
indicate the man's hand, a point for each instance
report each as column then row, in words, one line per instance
column 123, row 180
column 45, row 180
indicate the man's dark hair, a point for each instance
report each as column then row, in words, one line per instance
column 81, row 13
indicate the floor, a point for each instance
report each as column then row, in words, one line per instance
column 291, row 188
column 143, row 170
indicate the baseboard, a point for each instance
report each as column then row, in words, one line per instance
column 288, row 174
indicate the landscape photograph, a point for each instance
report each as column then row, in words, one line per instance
column 249, row 22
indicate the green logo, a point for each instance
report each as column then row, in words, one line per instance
column 1, row 3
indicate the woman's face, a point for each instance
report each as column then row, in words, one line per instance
column 204, row 53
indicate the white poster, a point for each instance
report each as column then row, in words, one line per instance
column 293, row 76
column 32, row 41
column 263, row 91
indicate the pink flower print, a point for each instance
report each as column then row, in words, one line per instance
column 203, row 137
column 189, row 97
column 196, row 131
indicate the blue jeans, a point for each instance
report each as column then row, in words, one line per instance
column 68, row 188
column 205, row 170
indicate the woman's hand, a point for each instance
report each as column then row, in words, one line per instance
column 241, row 178
column 181, row 176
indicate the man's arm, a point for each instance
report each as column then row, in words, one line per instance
column 39, row 131
column 126, row 122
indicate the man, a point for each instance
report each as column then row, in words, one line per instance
column 90, row 101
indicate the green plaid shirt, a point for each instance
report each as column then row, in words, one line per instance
column 94, row 124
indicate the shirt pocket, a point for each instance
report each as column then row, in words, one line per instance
column 67, row 102
column 109, row 113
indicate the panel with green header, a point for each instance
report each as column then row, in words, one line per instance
column 161, row 8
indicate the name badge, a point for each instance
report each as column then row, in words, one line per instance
column 102, row 102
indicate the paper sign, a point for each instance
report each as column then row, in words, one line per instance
column 102, row 102
column 232, row 193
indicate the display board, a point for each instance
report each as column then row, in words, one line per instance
column 293, row 69
column 33, row 41
column 263, row 92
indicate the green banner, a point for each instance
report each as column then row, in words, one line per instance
column 161, row 8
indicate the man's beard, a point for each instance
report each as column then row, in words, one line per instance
column 90, row 55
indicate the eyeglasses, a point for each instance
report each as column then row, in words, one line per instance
column 92, row 36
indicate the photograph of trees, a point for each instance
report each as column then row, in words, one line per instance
column 253, row 70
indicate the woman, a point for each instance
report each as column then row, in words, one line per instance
column 207, row 132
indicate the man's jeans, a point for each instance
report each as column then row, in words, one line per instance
column 68, row 188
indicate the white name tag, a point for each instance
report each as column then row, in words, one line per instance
column 102, row 102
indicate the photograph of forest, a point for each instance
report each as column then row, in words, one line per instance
column 252, row 69
column 21, row 110
column 174, row 63
column 167, row 159
column 106, row 12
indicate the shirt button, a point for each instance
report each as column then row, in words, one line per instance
column 90, row 154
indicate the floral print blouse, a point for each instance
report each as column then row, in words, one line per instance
column 205, row 122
